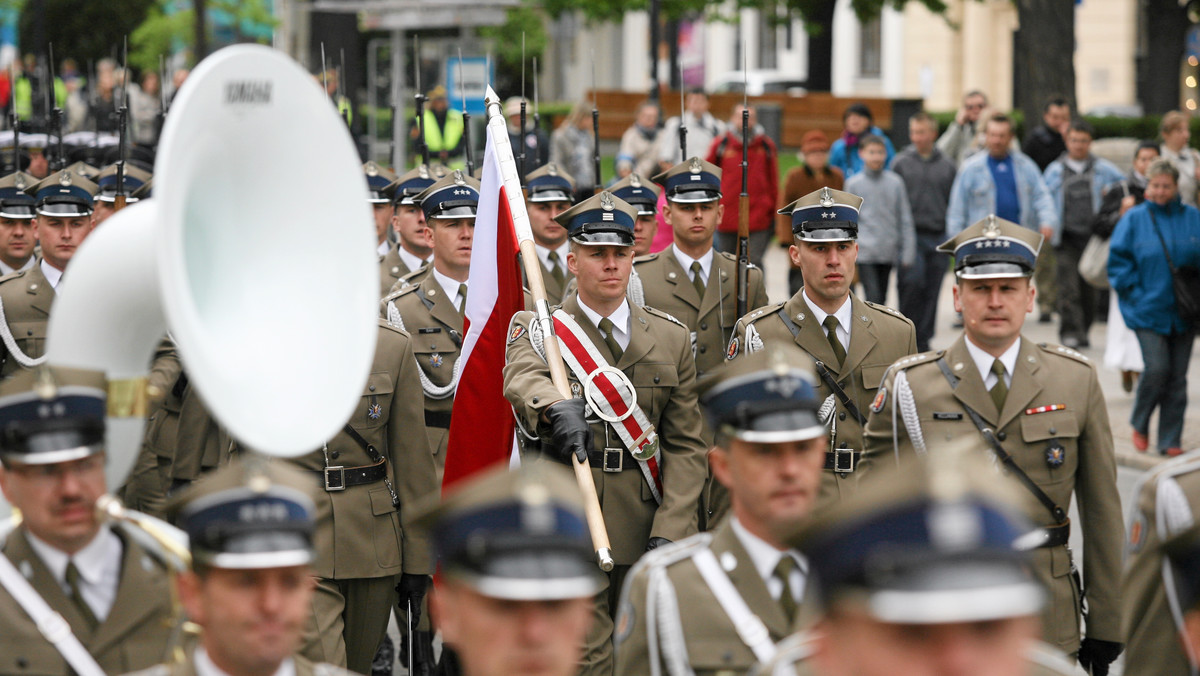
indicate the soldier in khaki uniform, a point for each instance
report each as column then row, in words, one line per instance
column 64, row 219
column 373, row 473
column 739, row 589
column 106, row 189
column 919, row 576
column 17, row 208
column 430, row 308
column 548, row 193
column 250, row 530
column 148, row 483
column 866, row 338
column 1168, row 501
column 412, row 250
column 380, row 182
column 1183, row 557
column 1047, row 411
column 107, row 584
column 648, row 503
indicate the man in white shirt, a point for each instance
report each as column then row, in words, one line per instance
column 109, row 591
column 738, row 589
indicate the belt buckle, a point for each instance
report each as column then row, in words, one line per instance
column 335, row 479
column 610, row 465
column 838, row 465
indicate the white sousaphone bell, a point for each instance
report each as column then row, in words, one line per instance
column 256, row 253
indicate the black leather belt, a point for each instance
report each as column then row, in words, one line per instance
column 612, row 459
column 437, row 419
column 338, row 478
column 1057, row 535
column 1045, row 537
column 842, row 461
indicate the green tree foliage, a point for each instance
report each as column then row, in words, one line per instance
column 166, row 32
column 84, row 31
column 506, row 39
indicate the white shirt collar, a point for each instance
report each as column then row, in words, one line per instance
column 562, row 251
column 983, row 362
column 410, row 259
column 843, row 314
column 450, row 286
column 53, row 274
column 384, row 247
column 685, row 262
column 98, row 563
column 765, row 557
column 619, row 318
column 6, row 269
column 205, row 667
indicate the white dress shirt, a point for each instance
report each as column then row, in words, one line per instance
column 685, row 261
column 53, row 274
column 98, row 563
column 450, row 286
column 843, row 316
column 6, row 269
column 620, row 319
column 205, row 666
column 983, row 362
column 765, row 557
column 411, row 260
column 383, row 248
column 562, row 251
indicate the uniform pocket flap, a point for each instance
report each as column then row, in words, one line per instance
column 873, row 375
column 381, row 501
column 719, row 655
column 655, row 375
column 379, row 382
column 1043, row 426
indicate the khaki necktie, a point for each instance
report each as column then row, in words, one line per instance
column 831, row 324
column 606, row 327
column 462, row 298
column 999, row 391
column 556, row 271
column 697, row 279
column 783, row 572
column 72, row 578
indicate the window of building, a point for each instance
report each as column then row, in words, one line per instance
column 870, row 49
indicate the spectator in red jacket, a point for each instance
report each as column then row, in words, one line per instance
column 762, row 184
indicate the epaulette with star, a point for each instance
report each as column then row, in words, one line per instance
column 665, row 315
column 1065, row 351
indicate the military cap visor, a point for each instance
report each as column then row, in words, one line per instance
column 994, row 248
column 244, row 528
column 453, row 197
column 17, row 207
column 549, row 184
column 765, row 407
column 691, row 182
column 825, row 215
column 39, row 430
column 641, row 195
column 106, row 181
column 601, row 220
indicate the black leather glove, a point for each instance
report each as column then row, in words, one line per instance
column 570, row 431
column 411, row 589
column 1095, row 655
column 656, row 542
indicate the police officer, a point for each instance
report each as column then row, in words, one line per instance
column 106, row 185
column 548, row 194
column 1168, row 500
column 17, row 209
column 412, row 250
column 648, row 498
column 1041, row 414
column 250, row 528
column 852, row 340
column 373, row 472
column 431, row 308
column 919, row 575
column 64, row 218
column 517, row 574
column 103, row 590
column 739, row 589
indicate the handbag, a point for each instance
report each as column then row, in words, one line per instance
column 1093, row 262
column 1185, row 282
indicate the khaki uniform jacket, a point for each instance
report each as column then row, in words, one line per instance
column 188, row 668
column 878, row 337
column 27, row 297
column 436, row 328
column 135, row 635
column 201, row 445
column 392, row 269
column 1168, row 499
column 668, row 287
column 555, row 292
column 360, row 534
column 658, row 361
column 1044, row 375
column 712, row 643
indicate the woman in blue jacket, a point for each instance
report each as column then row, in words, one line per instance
column 1138, row 272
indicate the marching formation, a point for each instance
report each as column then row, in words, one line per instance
column 701, row 481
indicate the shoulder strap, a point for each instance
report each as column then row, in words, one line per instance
column 52, row 625
column 750, row 627
column 1059, row 514
column 825, row 374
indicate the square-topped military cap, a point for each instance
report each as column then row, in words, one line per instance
column 549, row 183
column 83, row 169
column 453, row 197
column 15, row 203
column 600, row 220
column 927, row 541
column 411, row 184
column 63, row 193
column 516, row 534
column 825, row 215
column 144, row 191
column 106, row 181
column 768, row 396
column 255, row 512
column 378, row 181
column 692, row 180
column 639, row 192
column 52, row 415
column 994, row 248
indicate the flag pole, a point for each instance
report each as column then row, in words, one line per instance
column 498, row 135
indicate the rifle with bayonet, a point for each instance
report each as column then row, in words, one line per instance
column 596, row 184
column 682, row 125
column 743, row 241
column 466, row 138
column 122, row 134
column 16, row 122
column 521, row 170
column 419, row 97
column 56, row 118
